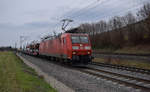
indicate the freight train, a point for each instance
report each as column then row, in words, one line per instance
column 74, row 48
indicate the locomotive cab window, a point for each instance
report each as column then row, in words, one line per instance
column 75, row 39
column 79, row 39
column 84, row 39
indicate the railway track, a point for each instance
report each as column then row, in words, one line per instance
column 132, row 82
column 132, row 69
column 139, row 84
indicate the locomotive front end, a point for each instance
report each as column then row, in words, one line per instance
column 81, row 48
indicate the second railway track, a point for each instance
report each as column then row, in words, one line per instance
column 128, row 81
column 132, row 69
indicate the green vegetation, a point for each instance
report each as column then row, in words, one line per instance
column 131, row 63
column 15, row 76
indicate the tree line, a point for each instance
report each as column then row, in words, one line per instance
column 118, row 32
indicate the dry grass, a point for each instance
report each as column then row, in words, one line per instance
column 140, row 49
column 132, row 63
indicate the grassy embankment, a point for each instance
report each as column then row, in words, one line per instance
column 15, row 76
column 129, row 50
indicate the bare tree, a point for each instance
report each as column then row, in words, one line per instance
column 120, row 31
column 145, row 11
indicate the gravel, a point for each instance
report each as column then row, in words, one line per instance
column 59, row 86
column 78, row 81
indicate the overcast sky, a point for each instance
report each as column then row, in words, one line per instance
column 35, row 18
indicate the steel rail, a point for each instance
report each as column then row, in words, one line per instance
column 108, row 76
column 132, row 69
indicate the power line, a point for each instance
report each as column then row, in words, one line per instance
column 80, row 10
column 90, row 6
column 111, row 12
column 121, row 12
column 105, row 5
column 76, row 12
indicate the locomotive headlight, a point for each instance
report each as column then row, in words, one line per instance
column 73, row 52
column 88, row 52
column 75, row 47
column 87, row 47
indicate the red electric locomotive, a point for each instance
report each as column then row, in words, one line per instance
column 71, row 47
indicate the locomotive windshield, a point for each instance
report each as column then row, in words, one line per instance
column 79, row 39
column 75, row 39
